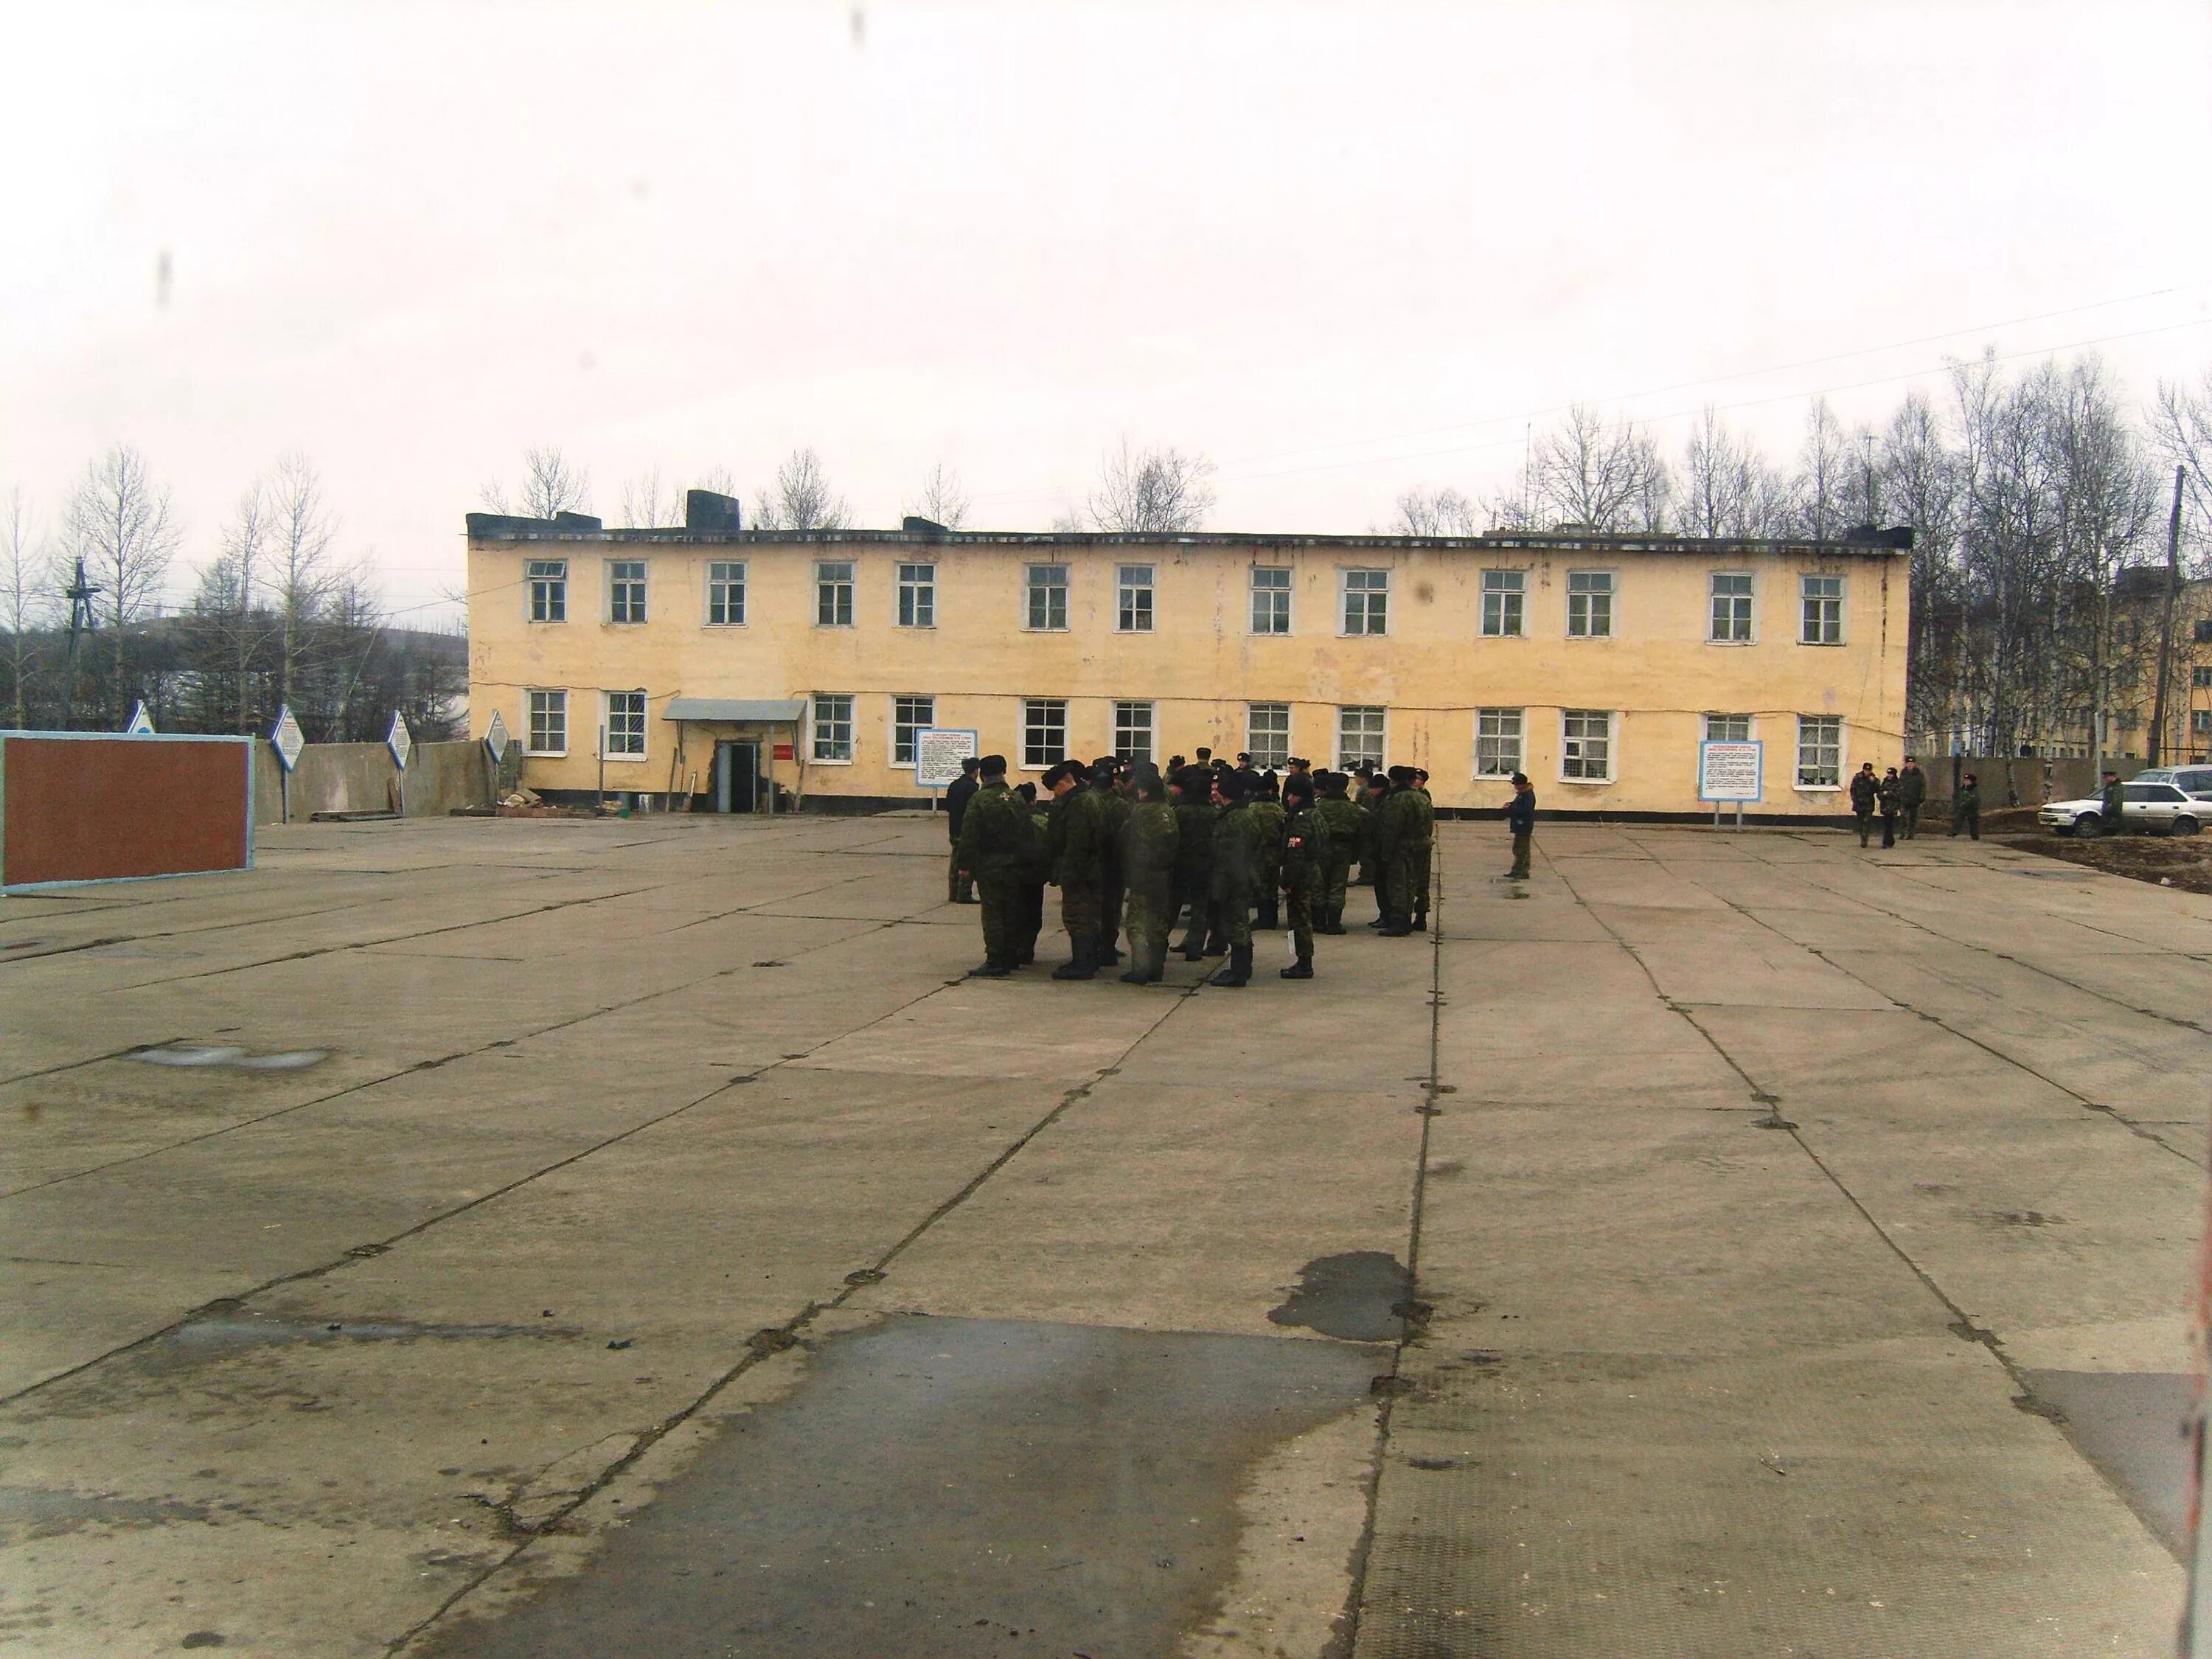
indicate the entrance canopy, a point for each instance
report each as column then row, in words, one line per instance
column 755, row 711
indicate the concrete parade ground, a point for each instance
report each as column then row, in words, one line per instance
column 539, row 1238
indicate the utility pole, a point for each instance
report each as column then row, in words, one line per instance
column 80, row 594
column 2166, row 628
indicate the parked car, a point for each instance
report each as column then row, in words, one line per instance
column 2194, row 781
column 2151, row 808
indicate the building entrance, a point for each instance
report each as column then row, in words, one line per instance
column 737, row 776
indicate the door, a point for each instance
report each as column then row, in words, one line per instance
column 737, row 776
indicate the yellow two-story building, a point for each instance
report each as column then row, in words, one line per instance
column 752, row 670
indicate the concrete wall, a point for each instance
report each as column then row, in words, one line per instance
column 358, row 777
column 2026, row 783
column 1202, row 665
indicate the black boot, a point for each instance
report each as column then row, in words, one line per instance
column 1397, row 927
column 1302, row 968
column 1155, row 964
column 991, row 970
column 963, row 890
column 1215, row 944
column 1109, row 957
column 1239, row 970
column 1269, row 918
column 1082, row 958
column 1421, row 919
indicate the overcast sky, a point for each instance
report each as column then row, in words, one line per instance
column 1341, row 250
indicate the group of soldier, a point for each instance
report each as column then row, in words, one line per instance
column 1132, row 848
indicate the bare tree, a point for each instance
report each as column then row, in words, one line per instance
column 1602, row 475
column 1824, row 463
column 1160, row 489
column 720, row 479
column 1725, row 487
column 1434, row 512
column 943, row 501
column 645, row 505
column 801, row 497
column 552, row 484
column 1920, row 480
column 300, row 532
column 2181, row 430
column 237, row 572
column 21, row 592
column 121, row 525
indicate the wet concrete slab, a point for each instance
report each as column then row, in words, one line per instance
column 953, row 1487
column 2133, row 1426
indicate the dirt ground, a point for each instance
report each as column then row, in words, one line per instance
column 2181, row 861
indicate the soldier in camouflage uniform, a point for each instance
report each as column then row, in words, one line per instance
column 1304, row 853
column 1397, row 824
column 1107, row 778
column 1364, row 783
column 1148, row 837
column 994, row 836
column 1423, row 856
column 1239, row 855
column 1075, row 844
column 1268, row 809
column 1338, row 822
column 1194, row 814
column 1037, row 873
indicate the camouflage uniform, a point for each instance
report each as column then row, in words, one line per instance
column 1271, row 816
column 1075, row 844
column 1420, row 855
column 1036, row 870
column 1305, row 849
column 1239, row 855
column 1148, row 847
column 1115, row 877
column 1393, row 883
column 1193, row 865
column 1341, row 821
column 994, row 835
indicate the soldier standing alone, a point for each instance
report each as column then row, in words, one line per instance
column 1966, row 807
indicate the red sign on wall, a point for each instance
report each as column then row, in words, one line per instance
column 783, row 752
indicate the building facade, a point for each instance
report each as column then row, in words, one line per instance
column 743, row 669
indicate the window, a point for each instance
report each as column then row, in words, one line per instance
column 833, row 724
column 1496, row 741
column 1366, row 601
column 1133, row 598
column 1358, row 738
column 1503, row 594
column 548, row 589
column 726, row 593
column 1589, row 605
column 1727, row 728
column 1820, row 751
column 549, row 723
column 2201, row 630
column 625, row 725
column 1267, row 733
column 833, row 593
column 917, row 596
column 2200, row 677
column 2200, row 720
column 626, row 590
column 1824, row 610
column 1731, row 608
column 1271, row 600
column 1132, row 731
column 2164, row 794
column 1047, row 587
column 908, row 716
column 1044, row 725
column 1586, row 744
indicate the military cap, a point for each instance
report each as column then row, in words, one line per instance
column 992, row 766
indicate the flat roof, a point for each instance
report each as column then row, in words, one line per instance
column 492, row 527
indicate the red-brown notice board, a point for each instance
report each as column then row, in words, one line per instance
column 79, row 807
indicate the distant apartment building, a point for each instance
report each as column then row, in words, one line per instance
column 736, row 667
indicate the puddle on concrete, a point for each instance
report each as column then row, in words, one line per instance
column 1348, row 1296
column 2133, row 1426
column 221, row 1331
column 234, row 1060
column 39, row 1514
column 952, row 1487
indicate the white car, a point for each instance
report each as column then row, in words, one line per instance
column 2190, row 780
column 2151, row 808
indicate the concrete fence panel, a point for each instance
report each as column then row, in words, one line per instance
column 360, row 777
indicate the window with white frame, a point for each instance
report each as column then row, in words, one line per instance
column 1727, row 728
column 626, row 590
column 1045, row 587
column 1586, row 744
column 2200, row 720
column 726, row 593
column 833, row 726
column 625, row 724
column 1267, row 733
column 1589, row 605
column 1133, row 598
column 833, row 593
column 1270, row 599
column 1360, row 732
column 1732, row 598
column 2200, row 679
column 1504, row 595
column 1044, row 731
column 548, row 589
column 917, row 596
column 1824, row 610
column 1366, row 601
column 1132, row 731
column 908, row 716
column 1497, row 742
column 548, row 724
column 1820, row 751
